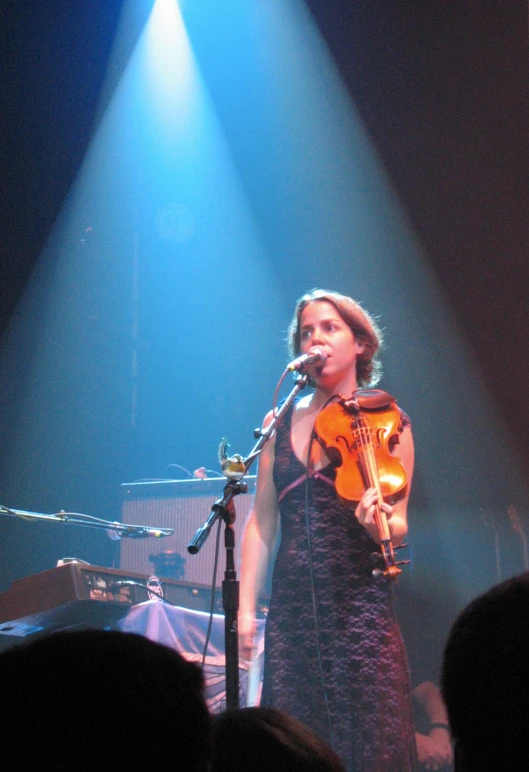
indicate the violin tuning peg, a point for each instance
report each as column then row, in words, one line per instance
column 403, row 562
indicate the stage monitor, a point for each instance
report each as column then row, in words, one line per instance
column 183, row 505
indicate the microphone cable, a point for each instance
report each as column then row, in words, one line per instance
column 213, row 593
column 313, row 583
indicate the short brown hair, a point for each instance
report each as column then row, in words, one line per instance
column 362, row 325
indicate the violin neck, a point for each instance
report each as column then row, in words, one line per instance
column 382, row 524
column 366, row 456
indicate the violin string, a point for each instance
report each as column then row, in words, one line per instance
column 371, row 470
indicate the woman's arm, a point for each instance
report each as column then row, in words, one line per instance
column 429, row 696
column 434, row 749
column 398, row 520
column 396, row 514
column 257, row 544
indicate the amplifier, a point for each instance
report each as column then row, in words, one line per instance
column 80, row 595
column 183, row 505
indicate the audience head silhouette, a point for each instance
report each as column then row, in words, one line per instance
column 264, row 739
column 102, row 700
column 485, row 680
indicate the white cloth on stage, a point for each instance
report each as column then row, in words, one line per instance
column 185, row 631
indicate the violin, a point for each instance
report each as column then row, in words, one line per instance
column 357, row 435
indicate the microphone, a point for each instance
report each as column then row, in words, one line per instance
column 137, row 532
column 142, row 532
column 314, row 356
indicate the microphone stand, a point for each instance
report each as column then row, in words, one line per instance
column 224, row 508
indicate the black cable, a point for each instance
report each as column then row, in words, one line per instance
column 213, row 593
column 132, row 583
column 178, row 466
column 313, row 586
column 276, row 392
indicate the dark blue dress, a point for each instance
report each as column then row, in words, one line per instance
column 365, row 708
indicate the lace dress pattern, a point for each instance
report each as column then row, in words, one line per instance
column 365, row 708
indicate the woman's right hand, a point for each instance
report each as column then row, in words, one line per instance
column 246, row 629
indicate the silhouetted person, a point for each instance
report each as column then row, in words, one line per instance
column 485, row 680
column 96, row 700
column 423, row 620
column 264, row 739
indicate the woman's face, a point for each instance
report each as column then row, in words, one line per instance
column 321, row 325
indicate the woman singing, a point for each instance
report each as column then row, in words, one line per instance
column 334, row 657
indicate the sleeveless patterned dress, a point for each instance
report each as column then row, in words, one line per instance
column 364, row 711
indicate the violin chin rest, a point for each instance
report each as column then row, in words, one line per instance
column 373, row 399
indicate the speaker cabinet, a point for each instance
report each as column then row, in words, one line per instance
column 183, row 505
